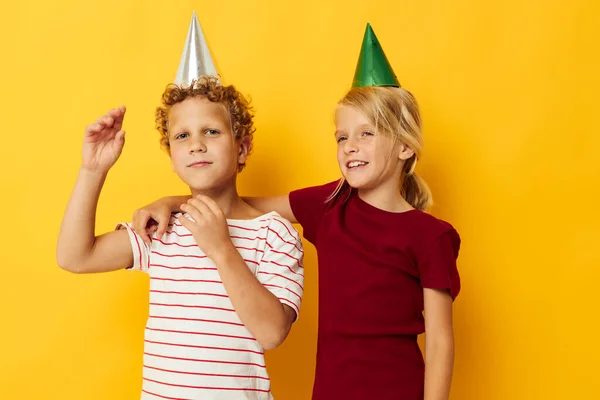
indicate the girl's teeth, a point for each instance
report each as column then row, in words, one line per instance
column 356, row 164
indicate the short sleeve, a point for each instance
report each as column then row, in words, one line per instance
column 308, row 206
column 140, row 250
column 438, row 270
column 280, row 269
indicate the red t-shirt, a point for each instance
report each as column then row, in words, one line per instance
column 373, row 266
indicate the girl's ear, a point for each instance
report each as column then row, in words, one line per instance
column 405, row 152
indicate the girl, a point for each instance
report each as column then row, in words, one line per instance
column 382, row 259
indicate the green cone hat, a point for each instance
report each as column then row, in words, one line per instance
column 373, row 68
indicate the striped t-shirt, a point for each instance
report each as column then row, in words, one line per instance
column 196, row 346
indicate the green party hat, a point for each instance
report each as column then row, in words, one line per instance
column 373, row 68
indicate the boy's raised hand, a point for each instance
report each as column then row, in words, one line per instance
column 103, row 141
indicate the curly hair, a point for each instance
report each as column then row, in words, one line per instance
column 238, row 107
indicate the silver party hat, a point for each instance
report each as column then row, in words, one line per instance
column 195, row 59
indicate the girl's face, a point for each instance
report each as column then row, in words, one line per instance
column 367, row 159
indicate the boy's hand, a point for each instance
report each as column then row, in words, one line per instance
column 103, row 141
column 209, row 227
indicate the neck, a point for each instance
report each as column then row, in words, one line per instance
column 385, row 196
column 226, row 197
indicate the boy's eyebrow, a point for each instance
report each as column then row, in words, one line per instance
column 213, row 124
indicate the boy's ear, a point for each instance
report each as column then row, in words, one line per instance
column 244, row 150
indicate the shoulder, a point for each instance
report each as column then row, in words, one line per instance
column 429, row 230
column 329, row 186
column 175, row 224
column 319, row 192
column 428, row 224
column 280, row 227
column 175, row 232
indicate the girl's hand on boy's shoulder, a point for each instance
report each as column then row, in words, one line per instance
column 209, row 225
column 154, row 217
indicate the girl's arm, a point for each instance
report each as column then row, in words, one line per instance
column 279, row 204
column 439, row 344
column 155, row 216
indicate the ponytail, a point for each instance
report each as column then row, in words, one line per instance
column 416, row 192
column 414, row 189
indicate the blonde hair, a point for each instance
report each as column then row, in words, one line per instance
column 395, row 112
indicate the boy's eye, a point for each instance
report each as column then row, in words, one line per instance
column 182, row 135
column 212, row 132
column 340, row 139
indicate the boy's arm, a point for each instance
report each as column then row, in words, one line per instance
column 261, row 312
column 78, row 249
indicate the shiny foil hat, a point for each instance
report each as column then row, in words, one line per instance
column 195, row 59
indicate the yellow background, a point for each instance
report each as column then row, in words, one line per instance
column 509, row 95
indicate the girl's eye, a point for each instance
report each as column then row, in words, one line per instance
column 367, row 133
column 340, row 139
column 212, row 132
column 182, row 135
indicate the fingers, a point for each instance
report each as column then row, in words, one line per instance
column 106, row 121
column 120, row 137
column 210, row 204
column 144, row 225
column 139, row 223
column 93, row 129
column 135, row 222
column 118, row 143
column 118, row 114
column 186, row 222
column 192, row 211
column 201, row 206
column 149, row 220
column 113, row 118
column 145, row 235
column 203, row 209
column 163, row 225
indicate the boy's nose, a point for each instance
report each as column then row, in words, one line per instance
column 197, row 146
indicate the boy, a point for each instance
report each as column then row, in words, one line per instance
column 226, row 281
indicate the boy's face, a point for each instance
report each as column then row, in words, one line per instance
column 204, row 153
